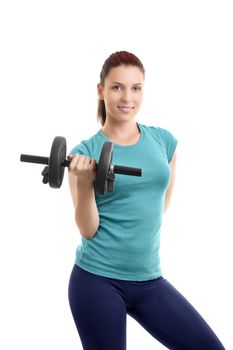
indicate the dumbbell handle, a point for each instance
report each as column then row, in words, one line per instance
column 34, row 159
column 118, row 169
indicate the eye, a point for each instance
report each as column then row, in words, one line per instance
column 117, row 88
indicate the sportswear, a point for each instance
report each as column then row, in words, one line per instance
column 127, row 241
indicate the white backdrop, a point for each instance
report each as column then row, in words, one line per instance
column 51, row 55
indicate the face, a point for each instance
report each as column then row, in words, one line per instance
column 122, row 92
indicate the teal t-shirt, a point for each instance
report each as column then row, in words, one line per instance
column 126, row 244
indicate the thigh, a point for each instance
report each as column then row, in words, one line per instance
column 98, row 310
column 169, row 317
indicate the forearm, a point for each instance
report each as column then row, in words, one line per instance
column 86, row 212
column 166, row 202
column 164, row 208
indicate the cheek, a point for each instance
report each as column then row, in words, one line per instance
column 138, row 100
column 112, row 99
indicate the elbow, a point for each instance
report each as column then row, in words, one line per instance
column 87, row 235
column 88, row 232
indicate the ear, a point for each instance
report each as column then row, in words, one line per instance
column 100, row 91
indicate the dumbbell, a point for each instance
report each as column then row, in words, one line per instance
column 53, row 173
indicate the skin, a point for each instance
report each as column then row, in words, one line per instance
column 121, row 127
column 171, row 183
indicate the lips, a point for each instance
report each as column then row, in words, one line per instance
column 125, row 109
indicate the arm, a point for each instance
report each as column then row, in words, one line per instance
column 172, row 181
column 86, row 212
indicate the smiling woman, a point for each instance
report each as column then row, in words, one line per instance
column 117, row 266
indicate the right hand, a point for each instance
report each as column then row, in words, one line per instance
column 83, row 167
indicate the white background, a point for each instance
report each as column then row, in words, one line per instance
column 51, row 55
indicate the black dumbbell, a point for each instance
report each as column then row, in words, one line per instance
column 53, row 173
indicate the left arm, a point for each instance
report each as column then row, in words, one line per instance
column 172, row 181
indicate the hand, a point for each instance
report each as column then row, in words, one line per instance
column 83, row 167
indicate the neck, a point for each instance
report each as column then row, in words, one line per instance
column 121, row 130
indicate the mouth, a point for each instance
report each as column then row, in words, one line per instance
column 125, row 109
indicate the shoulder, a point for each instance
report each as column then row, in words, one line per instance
column 157, row 131
column 165, row 137
column 84, row 147
column 162, row 132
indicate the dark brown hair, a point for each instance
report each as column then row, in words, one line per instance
column 114, row 60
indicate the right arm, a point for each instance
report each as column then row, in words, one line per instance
column 82, row 171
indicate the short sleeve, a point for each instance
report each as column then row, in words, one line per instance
column 81, row 148
column 169, row 141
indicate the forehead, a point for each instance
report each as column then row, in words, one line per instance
column 125, row 74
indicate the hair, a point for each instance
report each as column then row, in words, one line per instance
column 115, row 60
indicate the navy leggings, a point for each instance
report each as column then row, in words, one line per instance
column 99, row 306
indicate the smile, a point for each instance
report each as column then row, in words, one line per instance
column 125, row 109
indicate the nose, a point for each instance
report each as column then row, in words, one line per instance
column 126, row 95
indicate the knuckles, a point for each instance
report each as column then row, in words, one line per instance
column 77, row 163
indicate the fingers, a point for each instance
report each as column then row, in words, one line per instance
column 80, row 162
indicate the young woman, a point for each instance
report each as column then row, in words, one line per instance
column 117, row 267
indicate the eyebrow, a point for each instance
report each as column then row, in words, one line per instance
column 117, row 82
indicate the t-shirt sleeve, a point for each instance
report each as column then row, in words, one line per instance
column 169, row 142
column 81, row 148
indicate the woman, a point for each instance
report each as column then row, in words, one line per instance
column 117, row 268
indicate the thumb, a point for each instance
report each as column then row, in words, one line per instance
column 70, row 156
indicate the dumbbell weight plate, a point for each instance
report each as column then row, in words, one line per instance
column 105, row 160
column 56, row 159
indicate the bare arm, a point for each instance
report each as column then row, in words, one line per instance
column 172, row 181
column 83, row 196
